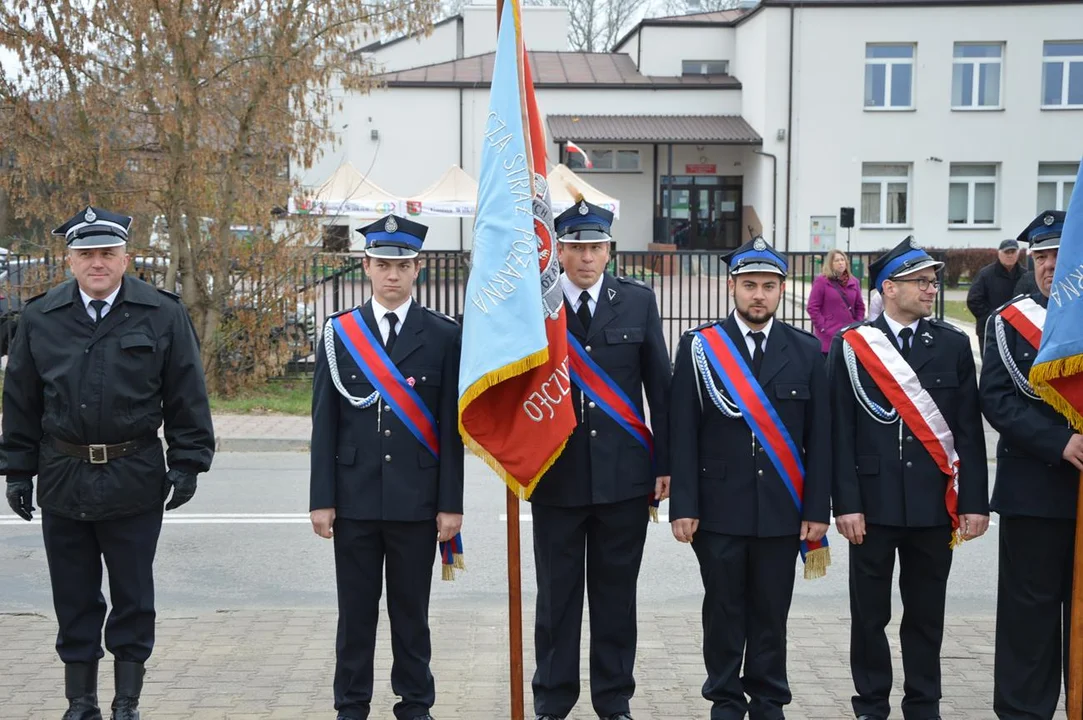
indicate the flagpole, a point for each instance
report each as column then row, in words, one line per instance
column 1075, row 640
column 515, row 580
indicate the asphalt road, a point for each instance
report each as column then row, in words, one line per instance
column 245, row 542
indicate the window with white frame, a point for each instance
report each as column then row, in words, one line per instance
column 975, row 76
column 1055, row 184
column 605, row 159
column 705, row 67
column 885, row 194
column 972, row 194
column 889, row 77
column 1062, row 74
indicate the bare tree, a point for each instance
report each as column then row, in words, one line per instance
column 192, row 112
column 596, row 25
column 688, row 7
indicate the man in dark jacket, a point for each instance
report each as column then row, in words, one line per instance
column 749, row 513
column 591, row 508
column 96, row 366
column 1039, row 459
column 994, row 285
column 387, row 468
column 910, row 476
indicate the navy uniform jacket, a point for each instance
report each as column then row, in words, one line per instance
column 721, row 473
column 366, row 463
column 882, row 470
column 109, row 383
column 602, row 463
column 1032, row 478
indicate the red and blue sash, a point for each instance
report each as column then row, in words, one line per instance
column 596, row 384
column 396, row 391
column 373, row 360
column 764, row 421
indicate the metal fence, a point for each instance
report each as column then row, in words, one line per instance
column 690, row 288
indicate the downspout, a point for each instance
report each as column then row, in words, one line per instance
column 639, row 48
column 774, row 194
column 654, row 195
column 789, row 136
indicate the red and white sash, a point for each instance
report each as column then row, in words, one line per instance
column 900, row 385
column 1028, row 319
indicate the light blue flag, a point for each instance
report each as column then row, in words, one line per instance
column 503, row 323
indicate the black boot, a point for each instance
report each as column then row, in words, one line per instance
column 81, row 689
column 129, row 683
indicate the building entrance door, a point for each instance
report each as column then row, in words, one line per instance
column 706, row 212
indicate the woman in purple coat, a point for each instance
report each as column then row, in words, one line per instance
column 835, row 300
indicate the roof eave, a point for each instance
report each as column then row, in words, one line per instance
column 664, row 141
column 445, row 84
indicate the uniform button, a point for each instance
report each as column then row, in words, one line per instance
column 387, row 458
column 127, row 315
column 387, row 408
column 83, row 406
column 793, row 392
column 353, row 377
column 1026, row 354
column 423, row 378
column 588, row 348
column 760, row 449
column 938, row 381
column 625, row 337
column 594, row 433
column 387, row 433
column 909, row 438
column 83, row 515
column 591, row 405
column 909, row 464
column 86, row 351
column 760, row 473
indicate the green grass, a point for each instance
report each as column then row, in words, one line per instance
column 277, row 397
column 957, row 309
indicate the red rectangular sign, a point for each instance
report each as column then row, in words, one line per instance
column 701, row 169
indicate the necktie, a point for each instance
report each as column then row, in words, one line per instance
column 584, row 309
column 757, row 355
column 905, row 335
column 98, row 306
column 392, row 320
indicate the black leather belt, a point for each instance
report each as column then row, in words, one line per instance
column 101, row 454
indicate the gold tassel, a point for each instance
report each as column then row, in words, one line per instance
column 460, row 563
column 654, row 513
column 447, row 572
column 956, row 538
column 816, row 563
column 1042, row 375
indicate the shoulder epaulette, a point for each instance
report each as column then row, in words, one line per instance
column 341, row 312
column 935, row 322
column 168, row 294
column 803, row 331
column 859, row 323
column 442, row 316
column 36, row 297
column 1015, row 299
column 632, row 281
column 697, row 328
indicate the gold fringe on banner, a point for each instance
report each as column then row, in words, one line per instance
column 816, row 563
column 1042, row 375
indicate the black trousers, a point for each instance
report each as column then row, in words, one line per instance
column 361, row 549
column 75, row 549
column 747, row 586
column 924, row 564
column 610, row 539
column 1034, row 607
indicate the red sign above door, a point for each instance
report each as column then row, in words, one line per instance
column 701, row 169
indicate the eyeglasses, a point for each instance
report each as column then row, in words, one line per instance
column 923, row 283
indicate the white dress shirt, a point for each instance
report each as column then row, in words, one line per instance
column 381, row 313
column 896, row 328
column 573, row 291
column 745, row 330
column 108, row 303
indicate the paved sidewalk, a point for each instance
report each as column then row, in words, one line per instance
column 279, row 664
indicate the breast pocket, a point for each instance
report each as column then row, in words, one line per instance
column 792, row 391
column 137, row 361
column 939, row 380
column 624, row 345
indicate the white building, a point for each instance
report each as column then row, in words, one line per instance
column 952, row 120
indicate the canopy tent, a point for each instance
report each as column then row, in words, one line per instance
column 453, row 195
column 563, row 183
column 347, row 193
